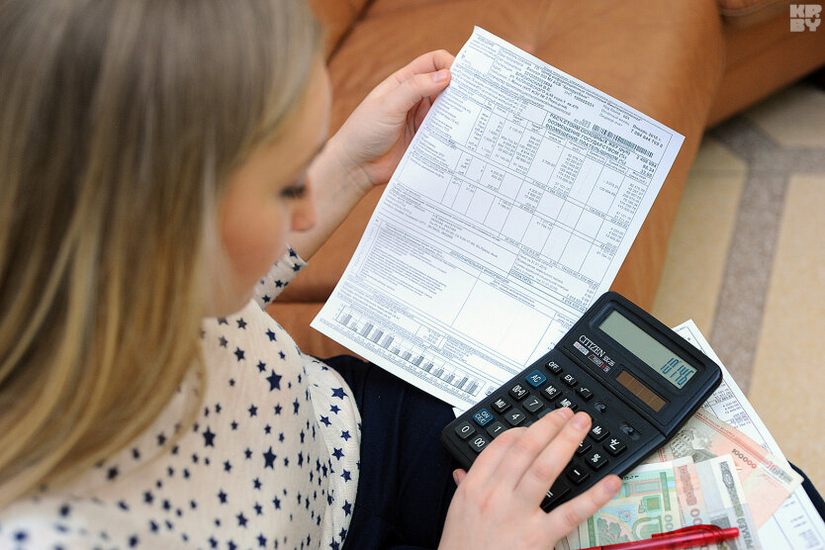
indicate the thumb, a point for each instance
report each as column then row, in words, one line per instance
column 459, row 475
column 417, row 87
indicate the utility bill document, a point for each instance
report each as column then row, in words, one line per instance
column 509, row 214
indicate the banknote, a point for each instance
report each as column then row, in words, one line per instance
column 689, row 494
column 669, row 495
column 726, row 503
column 570, row 542
column 646, row 504
column 766, row 479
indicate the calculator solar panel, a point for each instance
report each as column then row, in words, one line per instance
column 637, row 379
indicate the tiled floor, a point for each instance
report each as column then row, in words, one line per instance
column 746, row 261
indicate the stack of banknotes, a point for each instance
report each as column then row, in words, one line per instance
column 709, row 473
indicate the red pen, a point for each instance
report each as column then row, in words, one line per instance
column 697, row 535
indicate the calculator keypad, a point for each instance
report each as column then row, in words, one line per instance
column 465, row 430
column 500, row 405
column 533, row 404
column 554, row 367
column 596, row 460
column 551, row 392
column 537, row 393
column 554, row 495
column 496, row 429
column 577, row 474
column 615, row 447
column 518, row 392
column 598, row 432
column 584, row 393
column 515, row 417
column 566, row 402
column 478, row 443
column 536, row 379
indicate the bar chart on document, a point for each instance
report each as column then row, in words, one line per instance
column 510, row 213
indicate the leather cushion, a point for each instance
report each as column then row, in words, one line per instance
column 661, row 58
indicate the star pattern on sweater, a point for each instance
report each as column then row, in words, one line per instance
column 257, row 459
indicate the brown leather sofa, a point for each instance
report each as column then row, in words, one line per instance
column 687, row 63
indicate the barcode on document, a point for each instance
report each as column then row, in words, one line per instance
column 623, row 141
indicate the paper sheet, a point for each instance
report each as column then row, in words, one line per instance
column 796, row 525
column 510, row 213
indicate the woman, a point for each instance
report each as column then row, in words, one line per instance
column 155, row 159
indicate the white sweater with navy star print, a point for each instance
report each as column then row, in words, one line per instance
column 271, row 462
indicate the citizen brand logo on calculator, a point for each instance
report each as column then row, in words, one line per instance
column 595, row 349
column 598, row 356
column 636, row 378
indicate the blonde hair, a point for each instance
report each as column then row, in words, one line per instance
column 119, row 123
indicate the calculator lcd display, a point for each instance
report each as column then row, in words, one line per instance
column 670, row 366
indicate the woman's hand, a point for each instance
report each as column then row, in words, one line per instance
column 497, row 502
column 368, row 147
column 373, row 139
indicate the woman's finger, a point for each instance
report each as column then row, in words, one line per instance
column 566, row 517
column 487, row 463
column 524, row 452
column 420, row 112
column 548, row 465
column 415, row 88
column 425, row 63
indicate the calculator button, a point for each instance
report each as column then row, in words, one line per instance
column 596, row 460
column 500, row 405
column 570, row 380
column 496, row 429
column 554, row 494
column 551, row 392
column 584, row 393
column 536, row 379
column 554, row 367
column 464, row 430
column 483, row 417
column 478, row 443
column 577, row 474
column 615, row 447
column 599, row 406
column 584, row 446
column 518, row 392
column 533, row 404
column 598, row 432
column 629, row 431
column 543, row 413
column 565, row 402
column 514, row 417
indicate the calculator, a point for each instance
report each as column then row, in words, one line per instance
column 637, row 379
